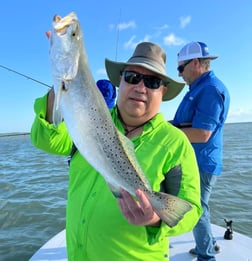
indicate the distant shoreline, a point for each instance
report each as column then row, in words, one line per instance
column 9, row 134
column 13, row 134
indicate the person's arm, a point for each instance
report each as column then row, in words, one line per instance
column 197, row 135
column 182, row 180
column 206, row 118
column 44, row 135
column 141, row 213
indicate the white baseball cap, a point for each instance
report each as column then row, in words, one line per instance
column 195, row 50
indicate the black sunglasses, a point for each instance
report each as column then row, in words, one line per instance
column 182, row 66
column 151, row 82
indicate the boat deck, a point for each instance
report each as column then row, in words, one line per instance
column 237, row 249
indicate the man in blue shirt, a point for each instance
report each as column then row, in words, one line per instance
column 201, row 116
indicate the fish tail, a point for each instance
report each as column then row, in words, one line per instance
column 169, row 208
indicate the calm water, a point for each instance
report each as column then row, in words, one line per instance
column 33, row 187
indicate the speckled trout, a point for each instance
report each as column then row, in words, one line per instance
column 79, row 102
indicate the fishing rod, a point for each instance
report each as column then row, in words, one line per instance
column 26, row 76
column 117, row 35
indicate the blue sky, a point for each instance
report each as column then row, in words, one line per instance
column 112, row 29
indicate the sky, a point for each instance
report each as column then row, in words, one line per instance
column 111, row 30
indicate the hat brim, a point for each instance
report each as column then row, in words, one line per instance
column 212, row 57
column 114, row 70
column 189, row 57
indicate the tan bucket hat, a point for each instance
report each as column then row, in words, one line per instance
column 152, row 57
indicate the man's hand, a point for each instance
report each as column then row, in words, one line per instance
column 138, row 212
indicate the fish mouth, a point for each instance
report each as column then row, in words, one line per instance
column 61, row 24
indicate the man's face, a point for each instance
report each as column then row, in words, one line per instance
column 137, row 100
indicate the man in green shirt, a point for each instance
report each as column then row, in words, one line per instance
column 98, row 225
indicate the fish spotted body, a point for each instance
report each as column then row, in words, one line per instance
column 79, row 102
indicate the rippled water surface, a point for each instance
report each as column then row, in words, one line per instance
column 33, row 188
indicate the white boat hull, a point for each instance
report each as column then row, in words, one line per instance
column 237, row 249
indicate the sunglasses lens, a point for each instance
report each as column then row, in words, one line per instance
column 180, row 68
column 132, row 77
column 150, row 82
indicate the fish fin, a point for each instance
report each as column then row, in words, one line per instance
column 126, row 142
column 48, row 34
column 169, row 208
column 128, row 147
column 57, row 116
column 116, row 192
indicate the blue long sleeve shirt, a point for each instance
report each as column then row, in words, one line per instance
column 205, row 106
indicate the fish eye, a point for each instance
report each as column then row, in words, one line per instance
column 63, row 85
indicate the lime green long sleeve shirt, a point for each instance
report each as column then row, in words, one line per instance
column 95, row 227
